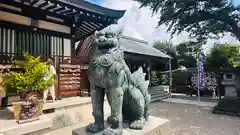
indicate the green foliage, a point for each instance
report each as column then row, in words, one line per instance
column 32, row 79
column 179, row 53
column 169, row 49
column 189, row 46
column 164, row 46
column 180, row 80
column 186, row 60
column 201, row 18
column 222, row 56
column 179, row 77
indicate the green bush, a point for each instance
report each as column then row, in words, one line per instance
column 180, row 80
column 32, row 79
column 179, row 77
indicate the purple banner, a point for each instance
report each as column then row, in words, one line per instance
column 200, row 72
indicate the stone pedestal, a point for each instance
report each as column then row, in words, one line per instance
column 228, row 106
column 230, row 92
column 154, row 126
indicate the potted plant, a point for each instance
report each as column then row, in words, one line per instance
column 30, row 83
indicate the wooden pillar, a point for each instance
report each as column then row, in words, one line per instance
column 149, row 72
column 73, row 29
column 170, row 78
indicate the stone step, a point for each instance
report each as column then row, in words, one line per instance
column 157, row 92
column 159, row 97
column 20, row 129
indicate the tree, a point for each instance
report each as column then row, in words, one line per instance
column 188, row 46
column 164, row 46
column 185, row 59
column 201, row 18
column 222, row 56
column 169, row 49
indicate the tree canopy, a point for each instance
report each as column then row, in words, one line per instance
column 178, row 53
column 189, row 46
column 201, row 18
column 222, row 56
column 168, row 48
column 186, row 53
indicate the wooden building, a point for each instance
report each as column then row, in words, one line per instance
column 136, row 53
column 139, row 53
column 50, row 28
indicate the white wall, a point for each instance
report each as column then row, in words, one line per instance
column 67, row 47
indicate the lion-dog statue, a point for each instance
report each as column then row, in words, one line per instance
column 127, row 93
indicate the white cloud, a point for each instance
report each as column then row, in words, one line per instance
column 139, row 23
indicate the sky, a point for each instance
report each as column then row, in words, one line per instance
column 140, row 24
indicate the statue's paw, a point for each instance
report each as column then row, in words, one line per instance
column 146, row 116
column 113, row 121
column 110, row 131
column 94, row 128
column 137, row 124
column 110, row 119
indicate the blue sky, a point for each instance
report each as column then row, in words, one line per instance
column 236, row 2
column 98, row 2
column 140, row 24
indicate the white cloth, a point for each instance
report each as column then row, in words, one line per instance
column 51, row 88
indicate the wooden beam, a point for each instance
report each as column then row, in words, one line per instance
column 82, row 31
column 50, row 7
column 25, row 28
column 22, row 1
column 64, row 11
column 33, row 2
column 88, row 28
column 59, row 9
column 91, row 26
column 35, row 13
column 45, row 3
column 92, row 19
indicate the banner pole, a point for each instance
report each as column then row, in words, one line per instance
column 170, row 79
column 198, row 87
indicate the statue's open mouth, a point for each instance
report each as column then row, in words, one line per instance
column 106, row 45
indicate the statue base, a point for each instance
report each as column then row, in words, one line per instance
column 228, row 106
column 154, row 126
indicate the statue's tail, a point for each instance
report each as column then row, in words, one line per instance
column 138, row 79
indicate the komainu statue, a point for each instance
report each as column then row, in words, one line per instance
column 127, row 93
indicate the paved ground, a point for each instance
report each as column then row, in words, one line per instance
column 194, row 120
column 191, row 102
column 185, row 120
column 194, row 97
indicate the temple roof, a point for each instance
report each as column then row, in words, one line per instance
column 83, row 16
column 132, row 45
column 96, row 9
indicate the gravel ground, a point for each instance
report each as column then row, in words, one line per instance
column 194, row 120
